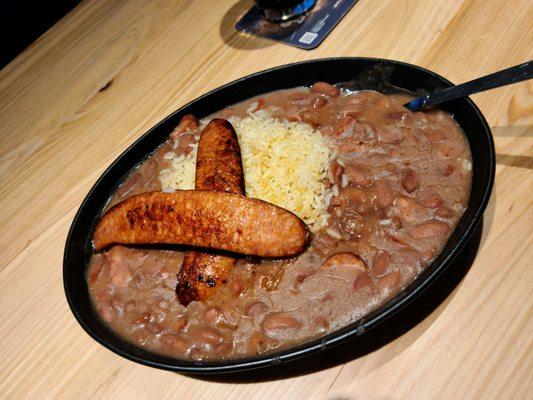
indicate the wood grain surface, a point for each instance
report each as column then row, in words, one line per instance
column 111, row 69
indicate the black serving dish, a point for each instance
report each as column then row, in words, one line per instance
column 357, row 73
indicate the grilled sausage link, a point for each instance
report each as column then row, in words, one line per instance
column 218, row 167
column 214, row 220
column 218, row 162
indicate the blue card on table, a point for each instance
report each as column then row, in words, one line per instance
column 305, row 32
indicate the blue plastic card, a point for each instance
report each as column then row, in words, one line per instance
column 305, row 32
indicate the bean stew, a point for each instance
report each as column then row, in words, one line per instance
column 397, row 184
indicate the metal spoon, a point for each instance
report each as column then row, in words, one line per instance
column 507, row 76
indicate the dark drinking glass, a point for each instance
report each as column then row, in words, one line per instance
column 282, row 10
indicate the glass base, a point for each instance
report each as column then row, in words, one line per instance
column 277, row 15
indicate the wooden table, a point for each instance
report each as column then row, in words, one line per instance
column 109, row 70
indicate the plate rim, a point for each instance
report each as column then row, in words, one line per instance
column 354, row 329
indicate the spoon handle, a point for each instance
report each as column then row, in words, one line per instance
column 507, row 76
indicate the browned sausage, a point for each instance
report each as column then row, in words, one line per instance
column 218, row 167
column 218, row 163
column 215, row 220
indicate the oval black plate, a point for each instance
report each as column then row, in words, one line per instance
column 360, row 73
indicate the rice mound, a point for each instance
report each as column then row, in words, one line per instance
column 285, row 163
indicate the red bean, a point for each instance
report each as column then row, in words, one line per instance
column 171, row 282
column 428, row 255
column 280, row 321
column 435, row 135
column 185, row 140
column 176, row 343
column 345, row 260
column 130, row 306
column 346, row 127
column 450, row 149
column 364, row 132
column 335, row 202
column 301, row 277
column 119, row 274
column 396, row 116
column 210, row 335
column 380, row 264
column 359, row 176
column 445, row 212
column 94, row 273
column 325, row 88
column 152, row 266
column 141, row 336
column 196, row 354
column 336, row 171
column 230, row 320
column 448, row 170
column 410, row 261
column 118, row 306
column 106, row 311
column 390, row 133
column 305, row 100
column 256, row 309
column 258, row 343
column 140, row 280
column 354, row 99
column 179, row 324
column 410, row 210
column 153, row 327
column 431, row 200
column 396, row 222
column 396, row 240
column 327, row 297
column 292, row 112
column 301, row 98
column 363, row 284
column 260, row 105
column 317, row 117
column 271, row 282
column 429, row 229
column 319, row 102
column 144, row 318
column 187, row 122
column 390, row 283
column 223, row 349
column 326, row 130
column 212, row 315
column 384, row 194
column 160, row 313
column 351, row 146
column 359, row 198
column 322, row 323
column 410, row 181
column 237, row 286
column 419, row 139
